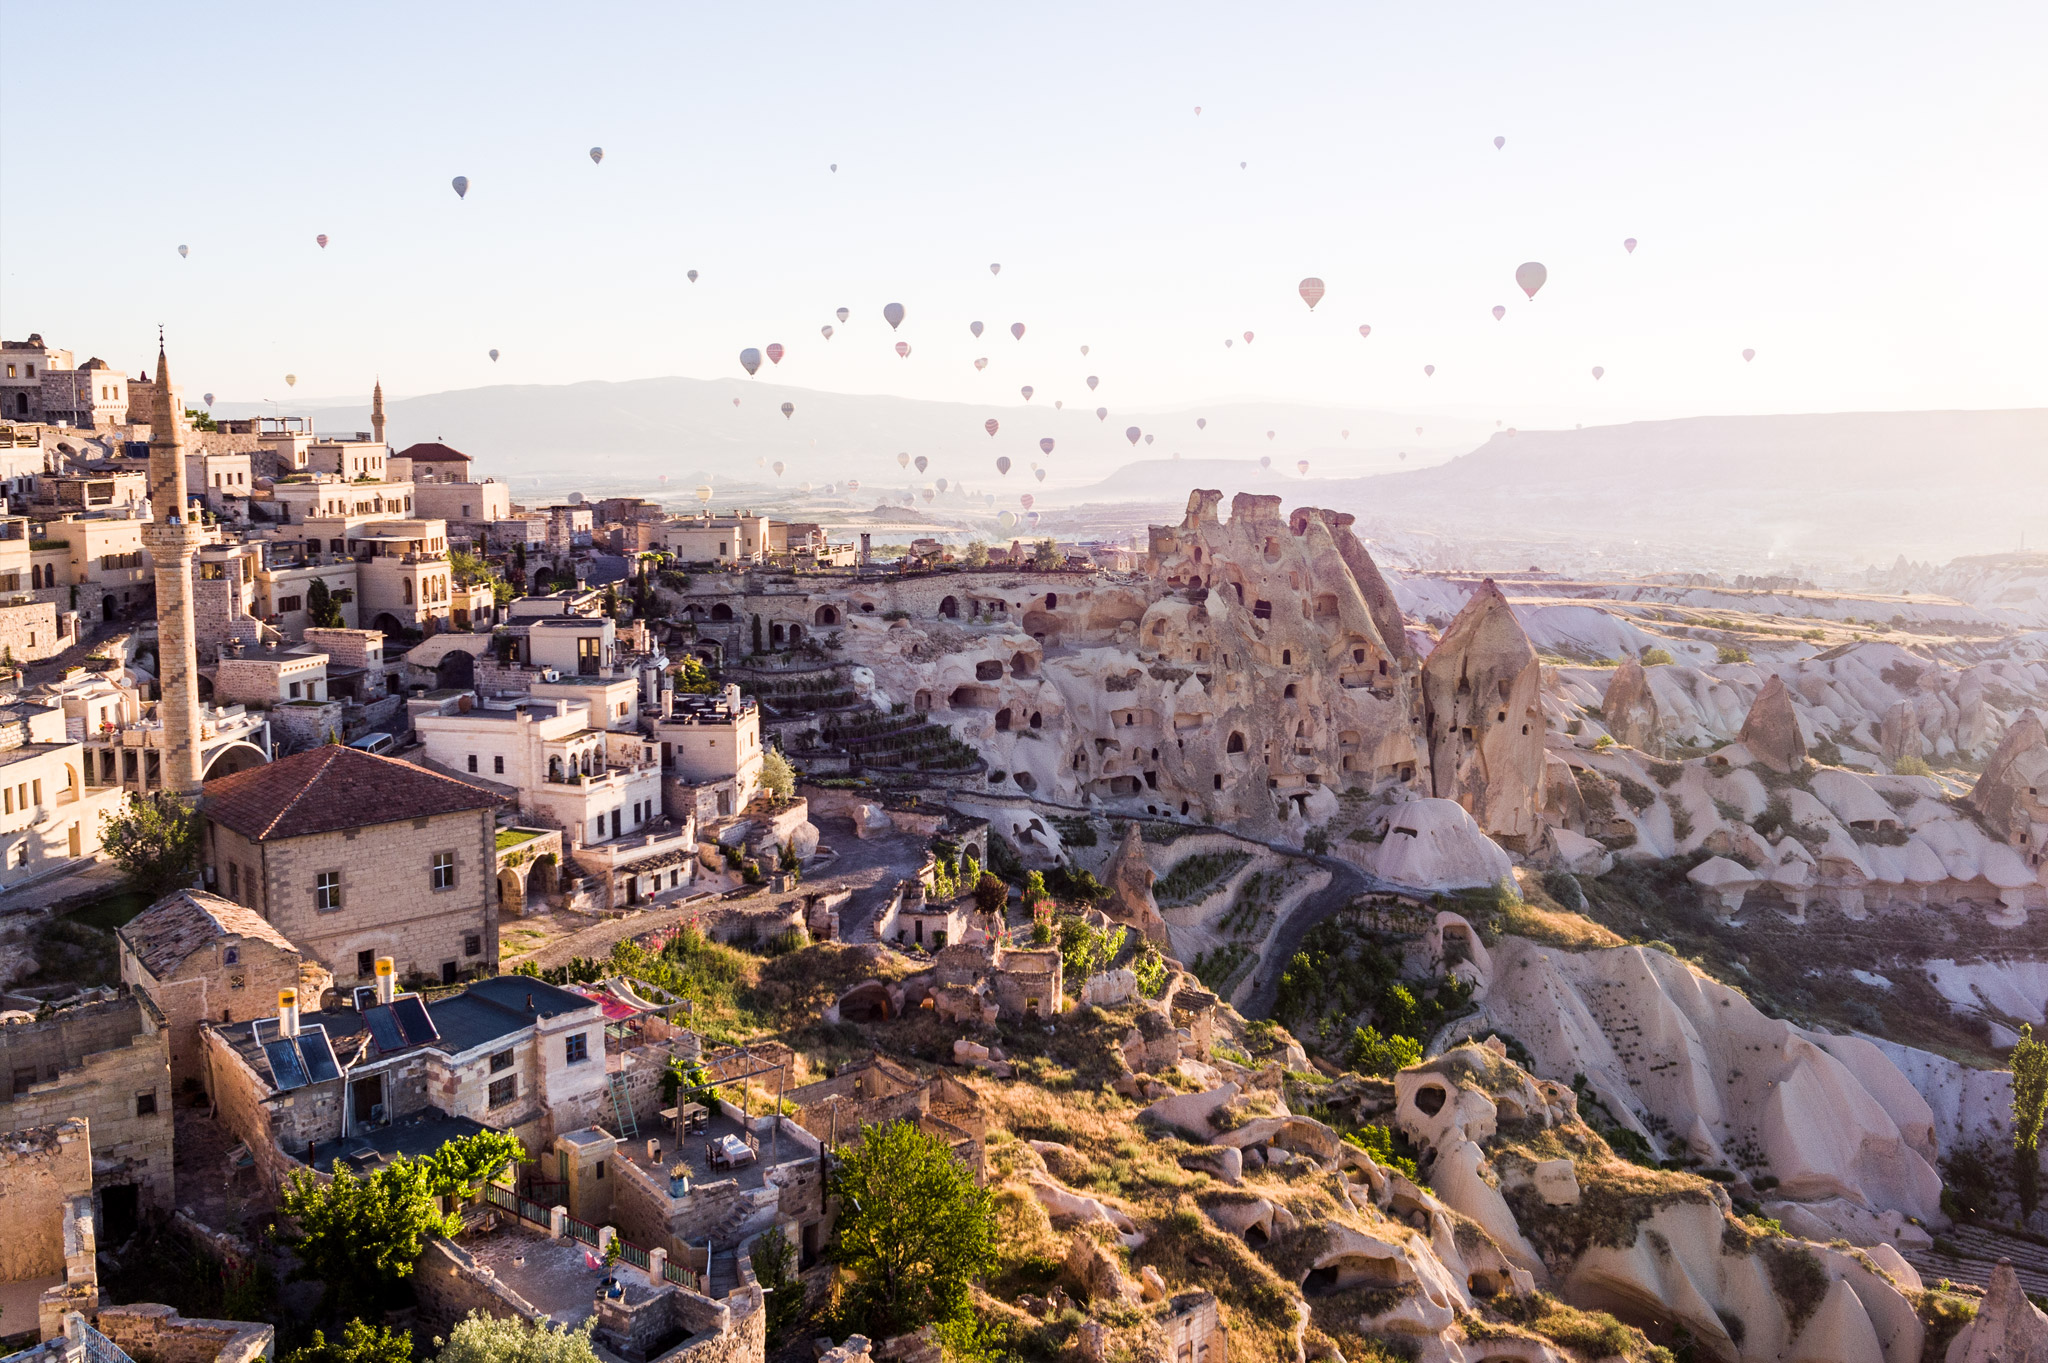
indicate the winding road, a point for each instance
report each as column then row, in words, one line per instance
column 1347, row 882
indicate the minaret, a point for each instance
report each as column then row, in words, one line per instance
column 172, row 543
column 377, row 412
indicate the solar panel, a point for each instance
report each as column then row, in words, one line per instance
column 419, row 1028
column 318, row 1054
column 285, row 1068
column 384, row 1029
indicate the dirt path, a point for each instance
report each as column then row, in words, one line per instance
column 1347, row 882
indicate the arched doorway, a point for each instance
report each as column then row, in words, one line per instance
column 950, row 608
column 511, row 891
column 826, row 616
column 233, row 758
column 456, row 671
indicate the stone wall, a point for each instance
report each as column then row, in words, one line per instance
column 448, row 1285
column 299, row 725
column 29, row 632
column 114, row 1069
column 203, row 990
column 41, row 1170
column 153, row 1333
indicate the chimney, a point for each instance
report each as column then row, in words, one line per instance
column 287, row 1012
column 387, row 979
column 668, row 697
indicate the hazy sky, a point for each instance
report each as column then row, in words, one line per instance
column 1859, row 192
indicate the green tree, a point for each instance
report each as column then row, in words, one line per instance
column 492, row 1339
column 991, row 896
column 775, row 1261
column 976, row 555
column 1048, row 556
column 692, row 676
column 360, row 1342
column 321, row 607
column 915, row 1229
column 2029, row 1107
column 154, row 838
column 776, row 776
column 464, row 1165
column 1150, row 968
column 1372, row 1053
column 362, row 1236
column 470, row 569
column 1034, row 887
column 1656, row 657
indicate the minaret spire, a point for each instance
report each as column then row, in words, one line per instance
column 173, row 542
column 377, row 411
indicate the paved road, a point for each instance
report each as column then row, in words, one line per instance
column 1347, row 882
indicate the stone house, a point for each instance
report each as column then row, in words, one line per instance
column 48, row 1255
column 912, row 918
column 353, row 856
column 49, row 813
column 877, row 1091
column 201, row 958
column 109, row 1062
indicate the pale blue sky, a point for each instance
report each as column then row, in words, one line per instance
column 1859, row 192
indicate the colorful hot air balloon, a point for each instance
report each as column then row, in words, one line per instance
column 902, row 461
column 1597, row 372
column 1301, row 467
column 1748, row 355
column 835, row 167
column 494, row 357
column 1003, row 464
column 1228, row 342
column 853, row 485
column 291, row 380
column 787, row 409
column 1418, row 430
column 1402, row 455
column 1201, row 423
column 981, row 363
column 995, row 269
column 826, row 331
column 1148, row 437
column 1039, row 474
column 1365, row 331
column 1084, row 350
column 990, row 426
column 1198, row 111
column 184, row 251
column 1428, row 370
column 775, row 352
column 1101, row 413
column 1045, row 445
column 596, row 155
column 1265, row 461
column 1345, row 434
column 461, row 183
column 693, row 276
column 1530, row 276
column 750, row 359
column 1026, row 391
column 892, row 313
column 975, row 328
column 1026, row 499
column 923, row 463
column 778, row 468
column 903, row 350
column 1628, row 244
column 322, row 239
column 1007, row 519
column 1132, row 434
column 207, row 398
column 1499, row 142
column 1499, row 312
column 1241, row 165
column 1269, row 435
column 942, row 485
column 1032, row 518
column 736, row 402
column 1247, row 338
column 704, row 492
column 1017, row 330
column 1092, row 381
column 841, row 314
column 1311, row 292
column 1057, row 404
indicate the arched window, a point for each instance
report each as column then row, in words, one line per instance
column 408, row 591
column 721, row 611
column 950, row 608
column 1236, row 743
column 1289, row 693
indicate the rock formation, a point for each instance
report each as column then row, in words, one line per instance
column 1435, row 845
column 2012, row 794
column 1771, row 732
column 2008, row 1327
column 1630, row 708
column 1129, row 879
column 1483, row 715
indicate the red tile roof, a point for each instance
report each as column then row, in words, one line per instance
column 167, row 933
column 332, row 788
column 431, row 451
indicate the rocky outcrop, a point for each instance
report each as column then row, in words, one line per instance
column 1094, row 1273
column 1630, row 708
column 1129, row 878
column 1483, row 713
column 2012, row 794
column 2008, row 1327
column 1435, row 845
column 1771, row 732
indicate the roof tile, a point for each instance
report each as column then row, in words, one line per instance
column 332, row 788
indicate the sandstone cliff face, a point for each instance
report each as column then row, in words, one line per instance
column 1630, row 708
column 1484, row 717
column 2012, row 794
column 1771, row 733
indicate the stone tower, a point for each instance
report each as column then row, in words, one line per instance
column 377, row 412
column 172, row 542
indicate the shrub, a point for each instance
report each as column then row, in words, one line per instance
column 1373, row 1053
column 1731, row 653
column 1656, row 657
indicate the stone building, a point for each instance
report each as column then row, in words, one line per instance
column 107, row 1061
column 48, row 1256
column 877, row 1091
column 353, row 857
column 201, row 958
column 49, row 811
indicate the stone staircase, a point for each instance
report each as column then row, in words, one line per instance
column 1978, row 1252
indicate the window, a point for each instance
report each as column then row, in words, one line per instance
column 444, row 871
column 294, row 693
column 600, row 1168
column 366, row 963
column 576, row 1049
column 24, row 1077
column 234, row 887
column 501, row 1061
column 230, row 955
column 145, row 1104
column 327, row 893
column 498, row 765
column 287, row 604
column 473, row 945
column 504, row 1090
column 472, row 761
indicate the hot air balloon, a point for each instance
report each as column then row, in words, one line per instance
column 835, row 167
column 778, row 468
column 1228, row 342
column 1597, row 372
column 1301, row 467
column 990, row 426
column 1418, row 430
column 184, row 251
column 1428, row 370
column 981, row 363
column 1101, row 413
column 461, row 183
column 995, row 269
column 1530, row 276
column 208, row 398
column 1084, row 350
column 1240, row 165
column 735, row 402
column 1628, row 244
column 596, row 155
column 903, row 350
column 853, row 485
column 1402, row 455
column 1045, row 445
column 1026, row 499
column 322, row 239
column 775, row 352
column 1311, row 292
column 1092, row 381
column 975, row 328
column 1499, row 142
column 494, row 357
column 902, row 461
column 1148, row 437
column 841, row 314
column 923, row 463
column 1039, row 474
column 1247, row 338
column 1132, row 434
column 928, row 495
column 1345, row 434
column 1269, row 435
column 1198, row 111
column 1032, row 518
column 787, row 409
column 750, row 359
column 893, row 314
column 942, row 485
column 1017, row 330
column 693, row 276
column 1499, row 312
column 1748, row 355
column 1265, row 461
column 1007, row 519
column 1365, row 331
column 704, row 493
column 826, row 331
column 1201, row 423
column 1026, row 391
column 1057, row 404
column 662, row 479
column 1003, row 464
column 291, row 380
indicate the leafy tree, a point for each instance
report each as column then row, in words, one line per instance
column 470, row 569
column 322, row 608
column 462, row 1166
column 915, row 1229
column 776, row 776
column 2029, row 1108
column 694, row 677
column 1048, row 556
column 991, row 896
column 976, row 555
column 360, row 1342
column 154, row 838
column 1034, row 887
column 1084, row 951
column 200, row 420
column 362, row 1236
column 1372, row 1053
column 775, row 1269
column 1656, row 657
column 493, row 1339
column 611, row 602
column 1150, row 968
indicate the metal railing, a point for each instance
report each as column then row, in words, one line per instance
column 580, row 1230
column 682, row 1277
column 632, row 1253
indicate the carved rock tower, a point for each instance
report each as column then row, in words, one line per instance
column 173, row 541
